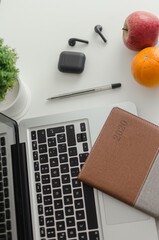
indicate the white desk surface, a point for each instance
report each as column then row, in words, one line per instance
column 39, row 31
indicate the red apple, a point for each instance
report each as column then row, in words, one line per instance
column 140, row 30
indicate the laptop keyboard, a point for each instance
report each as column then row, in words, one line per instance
column 5, row 213
column 66, row 207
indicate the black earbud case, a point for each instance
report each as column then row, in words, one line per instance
column 71, row 62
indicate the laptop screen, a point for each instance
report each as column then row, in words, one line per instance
column 14, row 201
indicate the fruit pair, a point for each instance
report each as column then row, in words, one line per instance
column 140, row 33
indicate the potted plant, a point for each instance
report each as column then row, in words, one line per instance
column 8, row 70
column 14, row 94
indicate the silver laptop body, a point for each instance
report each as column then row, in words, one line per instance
column 53, row 204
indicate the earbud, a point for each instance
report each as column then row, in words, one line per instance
column 72, row 41
column 98, row 29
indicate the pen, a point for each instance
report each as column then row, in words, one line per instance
column 85, row 91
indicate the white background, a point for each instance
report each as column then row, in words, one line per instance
column 39, row 31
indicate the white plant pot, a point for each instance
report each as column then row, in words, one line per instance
column 17, row 101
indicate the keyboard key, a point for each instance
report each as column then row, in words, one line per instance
column 53, row 152
column 42, row 232
column 3, row 151
column 7, row 203
column 81, row 137
column 8, row 214
column 46, row 189
column 40, row 209
column 65, row 178
column 71, row 232
column 39, row 198
column 9, row 236
column 44, row 168
column 70, row 221
column 76, row 183
column 3, row 237
column 58, row 204
column 1, row 207
column 33, row 135
column 4, row 161
column 83, row 127
column 48, row 200
column 57, row 193
column 56, row 182
column 73, row 161
column 74, row 172
column 6, row 192
column 51, row 232
column 80, row 214
column 55, row 172
column 1, row 195
column 36, row 166
column 38, row 187
column 60, row 225
column 5, row 172
column 64, row 168
column 41, row 136
column 52, row 131
column 5, row 182
column 34, row 145
column 61, row 236
column 2, row 228
column 2, row 217
column 68, row 200
column 94, row 235
column 69, row 210
column 61, row 138
column 62, row 148
column 49, row 211
column 8, row 225
column 3, row 141
column 42, row 148
column 49, row 221
column 81, row 226
column 77, row 193
column 43, row 158
column 66, row 189
column 79, row 204
column 37, row 176
column 83, row 236
column 54, row 162
column 45, row 179
column 41, row 220
column 83, row 157
column 72, row 151
column 59, row 215
column 70, row 131
column 63, row 158
column 35, row 155
column 52, row 142
column 85, row 147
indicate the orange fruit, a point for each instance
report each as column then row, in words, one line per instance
column 145, row 67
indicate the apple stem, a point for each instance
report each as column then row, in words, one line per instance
column 125, row 29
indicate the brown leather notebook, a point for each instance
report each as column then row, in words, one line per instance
column 124, row 161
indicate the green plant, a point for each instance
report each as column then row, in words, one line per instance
column 8, row 70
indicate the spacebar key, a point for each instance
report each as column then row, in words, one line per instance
column 90, row 207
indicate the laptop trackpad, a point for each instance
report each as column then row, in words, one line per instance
column 119, row 212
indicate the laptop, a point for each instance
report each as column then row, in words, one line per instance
column 40, row 196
